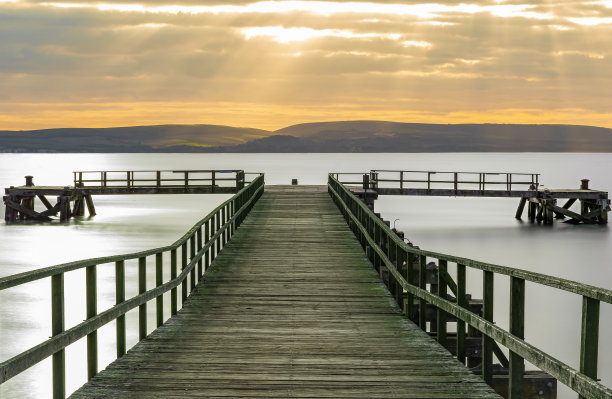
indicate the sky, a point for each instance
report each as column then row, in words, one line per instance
column 270, row 64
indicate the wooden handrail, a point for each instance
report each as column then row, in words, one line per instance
column 153, row 178
column 455, row 178
column 221, row 222
column 372, row 232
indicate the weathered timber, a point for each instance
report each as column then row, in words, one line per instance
column 290, row 308
column 360, row 219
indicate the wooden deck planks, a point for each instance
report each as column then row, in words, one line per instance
column 290, row 309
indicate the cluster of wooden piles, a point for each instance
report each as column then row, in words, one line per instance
column 20, row 202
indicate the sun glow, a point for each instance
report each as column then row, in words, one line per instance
column 287, row 35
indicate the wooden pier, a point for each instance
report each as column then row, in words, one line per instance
column 290, row 309
column 302, row 291
column 543, row 203
column 72, row 200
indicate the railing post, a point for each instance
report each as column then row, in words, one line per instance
column 487, row 342
column 410, row 278
column 159, row 281
column 224, row 220
column 461, row 301
column 441, row 314
column 206, row 239
column 589, row 338
column 212, row 189
column 173, row 274
column 400, row 256
column 192, row 253
column 142, row 288
column 120, row 298
column 423, row 286
column 218, row 227
column 517, row 328
column 214, row 242
column 57, row 327
column 92, row 309
column 199, row 247
column 183, row 267
column 158, row 178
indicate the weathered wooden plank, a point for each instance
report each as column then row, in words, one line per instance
column 290, row 308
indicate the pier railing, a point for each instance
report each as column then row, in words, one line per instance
column 128, row 179
column 194, row 252
column 428, row 180
column 386, row 250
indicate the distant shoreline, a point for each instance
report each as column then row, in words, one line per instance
column 323, row 137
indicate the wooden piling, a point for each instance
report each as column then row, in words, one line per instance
column 90, row 204
column 519, row 211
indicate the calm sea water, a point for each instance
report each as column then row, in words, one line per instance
column 483, row 229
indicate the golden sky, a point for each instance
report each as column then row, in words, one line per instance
column 269, row 64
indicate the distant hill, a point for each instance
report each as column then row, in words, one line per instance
column 346, row 136
column 161, row 138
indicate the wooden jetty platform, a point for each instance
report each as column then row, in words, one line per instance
column 542, row 202
column 72, row 200
column 302, row 291
column 290, row 309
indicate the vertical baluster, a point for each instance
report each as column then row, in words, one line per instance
column 214, row 242
column 217, row 228
column 461, row 301
column 57, row 327
column 199, row 247
column 192, row 253
column 159, row 281
column 183, row 267
column 142, row 287
column 223, row 222
column 173, row 274
column 423, row 286
column 410, row 278
column 517, row 328
column 206, row 239
column 120, row 298
column 589, row 338
column 442, row 290
column 92, row 309
column 487, row 342
column 399, row 261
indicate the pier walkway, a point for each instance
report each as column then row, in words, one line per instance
column 305, row 292
column 291, row 308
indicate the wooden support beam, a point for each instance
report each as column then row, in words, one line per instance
column 25, row 211
column 44, row 200
column 519, row 210
column 90, row 205
column 580, row 218
column 64, row 202
column 532, row 209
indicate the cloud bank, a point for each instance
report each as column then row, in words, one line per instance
column 269, row 64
